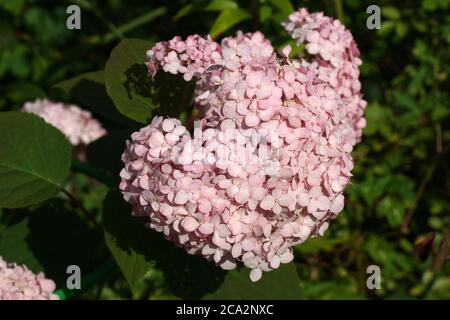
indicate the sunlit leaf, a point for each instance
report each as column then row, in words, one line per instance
column 34, row 159
column 226, row 20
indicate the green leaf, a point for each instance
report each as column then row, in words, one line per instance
column 379, row 119
column 440, row 289
column 22, row 91
column 265, row 12
column 331, row 290
column 315, row 245
column 19, row 62
column 89, row 90
column 133, row 91
column 220, row 5
column 404, row 100
column 15, row 7
column 401, row 29
column 136, row 249
column 284, row 8
column 2, row 223
column 171, row 94
column 384, row 253
column 386, row 28
column 430, row 5
column 187, row 276
column 214, row 5
column 417, row 82
column 280, row 284
column 184, row 11
column 128, row 239
column 392, row 209
column 440, row 112
column 105, row 153
column 226, row 20
column 34, row 159
column 127, row 80
column 390, row 12
column 49, row 238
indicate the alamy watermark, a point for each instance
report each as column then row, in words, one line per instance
column 374, row 279
column 374, row 20
column 257, row 148
column 73, row 21
column 74, row 279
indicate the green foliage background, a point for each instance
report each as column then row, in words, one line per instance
column 397, row 206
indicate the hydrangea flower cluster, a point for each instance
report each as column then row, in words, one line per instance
column 19, row 283
column 269, row 158
column 76, row 124
column 336, row 58
column 189, row 57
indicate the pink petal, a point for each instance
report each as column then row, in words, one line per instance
column 166, row 210
column 168, row 125
column 140, row 150
column 156, row 139
column 255, row 274
column 286, row 257
column 249, row 244
column 206, row 228
column 154, row 151
column 251, row 119
column 338, row 204
column 205, row 207
column 242, row 196
column 275, row 262
column 228, row 265
column 276, row 208
column 264, row 92
column 237, row 250
column 189, row 224
column 234, row 170
column 181, row 198
column 253, row 79
column 319, row 214
column 267, row 203
column 229, row 109
column 223, row 230
column 324, row 203
column 286, row 51
column 312, row 48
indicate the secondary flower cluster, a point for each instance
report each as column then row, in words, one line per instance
column 76, row 124
column 293, row 128
column 336, row 58
column 19, row 283
column 189, row 57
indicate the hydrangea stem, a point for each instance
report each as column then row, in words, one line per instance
column 78, row 204
column 339, row 10
column 135, row 23
column 92, row 172
column 93, row 8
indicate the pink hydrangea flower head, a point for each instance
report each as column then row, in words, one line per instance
column 19, row 283
column 189, row 57
column 267, row 163
column 76, row 124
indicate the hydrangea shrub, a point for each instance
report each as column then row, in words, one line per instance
column 253, row 165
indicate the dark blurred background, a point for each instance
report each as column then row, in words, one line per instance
column 397, row 206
